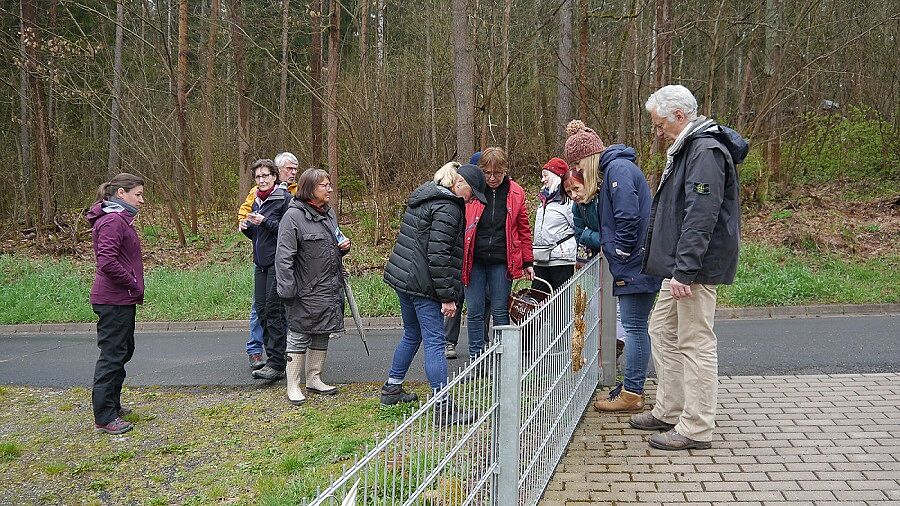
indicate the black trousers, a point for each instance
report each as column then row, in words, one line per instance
column 270, row 311
column 556, row 275
column 115, row 338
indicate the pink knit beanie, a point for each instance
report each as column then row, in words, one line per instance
column 582, row 142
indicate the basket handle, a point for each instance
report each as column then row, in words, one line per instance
column 544, row 281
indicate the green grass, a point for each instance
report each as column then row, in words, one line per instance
column 10, row 451
column 775, row 276
column 55, row 290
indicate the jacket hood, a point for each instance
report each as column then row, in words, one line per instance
column 736, row 145
column 615, row 152
column 431, row 191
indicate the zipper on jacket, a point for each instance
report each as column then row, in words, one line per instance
column 493, row 211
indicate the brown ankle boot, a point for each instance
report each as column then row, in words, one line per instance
column 624, row 402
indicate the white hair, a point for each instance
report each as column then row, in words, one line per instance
column 285, row 158
column 446, row 175
column 668, row 99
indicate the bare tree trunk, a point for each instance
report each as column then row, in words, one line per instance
column 662, row 45
column 243, row 103
column 206, row 176
column 379, row 42
column 25, row 169
column 583, row 42
column 112, row 162
column 507, row 12
column 463, row 80
column 181, row 105
column 363, row 29
column 31, row 39
column 315, row 80
column 334, row 65
column 565, row 83
column 429, row 87
column 282, row 97
column 625, row 75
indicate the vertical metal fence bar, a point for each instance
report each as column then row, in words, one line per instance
column 607, row 314
column 509, row 397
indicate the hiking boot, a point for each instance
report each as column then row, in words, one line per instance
column 256, row 361
column 646, row 421
column 450, row 351
column 117, row 426
column 447, row 413
column 267, row 373
column 674, row 441
column 392, row 394
column 620, row 401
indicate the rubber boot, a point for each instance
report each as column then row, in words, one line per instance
column 315, row 359
column 294, row 371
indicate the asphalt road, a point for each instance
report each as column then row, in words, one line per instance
column 844, row 344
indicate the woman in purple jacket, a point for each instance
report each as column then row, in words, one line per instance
column 118, row 287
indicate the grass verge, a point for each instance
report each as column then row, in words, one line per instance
column 199, row 445
column 54, row 290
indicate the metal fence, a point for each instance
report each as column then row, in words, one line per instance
column 495, row 433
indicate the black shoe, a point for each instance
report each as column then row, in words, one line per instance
column 267, row 373
column 392, row 394
column 447, row 413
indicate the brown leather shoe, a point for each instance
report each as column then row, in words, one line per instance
column 673, row 441
column 646, row 421
column 622, row 401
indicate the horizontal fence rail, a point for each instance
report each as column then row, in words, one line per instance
column 495, row 433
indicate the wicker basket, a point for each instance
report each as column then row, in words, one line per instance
column 524, row 301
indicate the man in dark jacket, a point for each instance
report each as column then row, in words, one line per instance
column 693, row 243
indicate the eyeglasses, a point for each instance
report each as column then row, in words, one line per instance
column 492, row 175
column 327, row 186
column 263, row 176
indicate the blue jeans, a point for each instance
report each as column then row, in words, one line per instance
column 635, row 312
column 493, row 280
column 255, row 343
column 422, row 322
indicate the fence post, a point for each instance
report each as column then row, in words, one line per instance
column 509, row 412
column 607, row 327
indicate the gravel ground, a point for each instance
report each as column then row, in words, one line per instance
column 198, row 445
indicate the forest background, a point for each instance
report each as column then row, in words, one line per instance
column 188, row 93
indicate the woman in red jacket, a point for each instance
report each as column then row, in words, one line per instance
column 497, row 247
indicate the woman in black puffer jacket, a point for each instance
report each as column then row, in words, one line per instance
column 425, row 269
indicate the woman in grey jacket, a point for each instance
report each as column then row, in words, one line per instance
column 554, row 228
column 310, row 277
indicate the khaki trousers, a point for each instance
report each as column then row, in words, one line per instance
column 686, row 360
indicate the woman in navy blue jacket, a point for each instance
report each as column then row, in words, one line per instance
column 623, row 211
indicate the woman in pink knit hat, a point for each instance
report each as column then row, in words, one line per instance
column 612, row 213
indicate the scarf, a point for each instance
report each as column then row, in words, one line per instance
column 114, row 205
column 323, row 209
column 701, row 123
column 263, row 195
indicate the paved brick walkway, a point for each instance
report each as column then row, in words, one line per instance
column 824, row 439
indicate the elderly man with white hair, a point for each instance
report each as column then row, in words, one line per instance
column 692, row 242
column 287, row 165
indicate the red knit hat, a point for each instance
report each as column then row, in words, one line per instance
column 557, row 166
column 582, row 142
